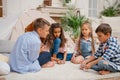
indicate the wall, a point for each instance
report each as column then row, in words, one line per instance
column 57, row 3
column 17, row 6
column 14, row 8
column 82, row 5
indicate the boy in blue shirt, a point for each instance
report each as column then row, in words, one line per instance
column 25, row 53
column 107, row 57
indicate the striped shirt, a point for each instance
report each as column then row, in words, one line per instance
column 110, row 51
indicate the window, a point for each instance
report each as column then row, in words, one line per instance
column 1, row 8
column 47, row 2
column 95, row 7
column 92, row 8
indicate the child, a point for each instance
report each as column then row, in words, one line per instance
column 107, row 57
column 25, row 53
column 85, row 47
column 56, row 42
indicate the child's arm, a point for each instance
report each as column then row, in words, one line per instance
column 65, row 55
column 64, row 58
column 64, row 51
column 90, row 64
column 91, row 58
column 76, row 52
column 42, row 48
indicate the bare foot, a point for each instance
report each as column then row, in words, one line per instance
column 103, row 72
column 61, row 62
column 56, row 60
column 48, row 64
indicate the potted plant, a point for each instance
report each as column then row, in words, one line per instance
column 65, row 2
column 111, row 14
column 72, row 22
column 112, row 10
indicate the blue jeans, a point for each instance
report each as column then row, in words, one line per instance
column 56, row 46
column 61, row 56
column 44, row 57
column 86, row 54
column 101, row 66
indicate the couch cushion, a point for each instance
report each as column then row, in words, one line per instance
column 4, row 68
column 6, row 46
column 3, row 58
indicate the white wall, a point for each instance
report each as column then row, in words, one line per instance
column 17, row 6
column 13, row 9
column 83, row 6
column 57, row 3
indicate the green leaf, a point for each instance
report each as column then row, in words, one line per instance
column 111, row 11
column 73, row 22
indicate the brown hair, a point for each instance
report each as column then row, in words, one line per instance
column 91, row 35
column 104, row 28
column 51, row 37
column 40, row 23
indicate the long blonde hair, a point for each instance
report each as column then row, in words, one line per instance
column 91, row 35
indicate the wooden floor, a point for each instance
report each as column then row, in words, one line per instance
column 114, row 78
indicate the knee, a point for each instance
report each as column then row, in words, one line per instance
column 48, row 54
column 102, row 63
column 57, row 41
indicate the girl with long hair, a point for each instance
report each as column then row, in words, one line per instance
column 85, row 46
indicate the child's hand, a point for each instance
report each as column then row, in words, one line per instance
column 83, row 63
column 88, row 66
column 42, row 48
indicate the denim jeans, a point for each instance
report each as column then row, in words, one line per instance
column 102, row 66
column 44, row 57
column 56, row 46
column 68, row 57
column 86, row 54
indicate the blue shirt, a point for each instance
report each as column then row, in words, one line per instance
column 110, row 51
column 25, row 53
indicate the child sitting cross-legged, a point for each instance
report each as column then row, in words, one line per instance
column 85, row 45
column 107, row 57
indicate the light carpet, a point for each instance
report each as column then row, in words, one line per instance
column 68, row 71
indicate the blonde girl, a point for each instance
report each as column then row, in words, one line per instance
column 85, row 45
